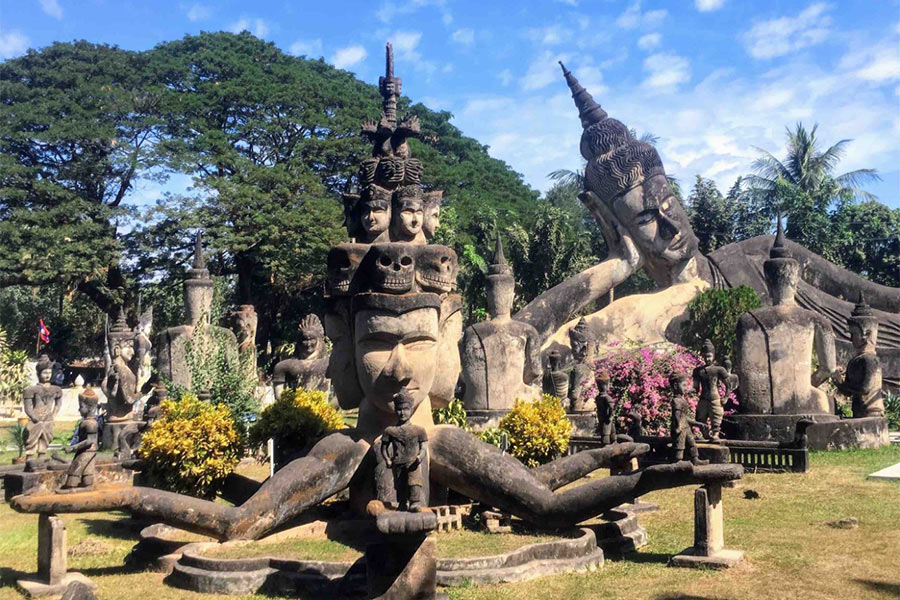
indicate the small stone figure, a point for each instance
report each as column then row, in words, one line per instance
column 556, row 380
column 307, row 369
column 41, row 403
column 862, row 381
column 80, row 474
column 682, row 435
column 583, row 386
column 121, row 382
column 403, row 452
column 606, row 410
column 707, row 378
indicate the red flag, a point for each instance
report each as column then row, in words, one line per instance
column 44, row 332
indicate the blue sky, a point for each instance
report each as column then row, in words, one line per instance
column 712, row 78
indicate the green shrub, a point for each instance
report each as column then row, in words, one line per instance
column 538, row 431
column 492, row 435
column 13, row 376
column 294, row 420
column 453, row 414
column 714, row 314
column 892, row 410
column 191, row 447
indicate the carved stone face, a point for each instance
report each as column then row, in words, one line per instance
column 245, row 321
column 501, row 292
column 404, row 413
column 343, row 262
column 392, row 268
column 863, row 336
column 125, row 350
column 581, row 349
column 436, row 269
column 682, row 387
column 709, row 358
column 431, row 220
column 308, row 345
column 782, row 277
column 375, row 218
column 395, row 352
column 658, row 225
column 44, row 375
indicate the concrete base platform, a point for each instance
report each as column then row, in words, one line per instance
column 891, row 473
column 723, row 559
column 36, row 589
column 828, row 433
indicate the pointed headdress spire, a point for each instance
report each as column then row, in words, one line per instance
column 588, row 111
column 199, row 263
column 862, row 309
column 499, row 265
column 779, row 250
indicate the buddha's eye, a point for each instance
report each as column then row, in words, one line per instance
column 647, row 217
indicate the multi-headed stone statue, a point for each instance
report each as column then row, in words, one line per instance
column 862, row 380
column 775, row 346
column 583, row 386
column 501, row 358
column 41, row 403
column 707, row 378
column 80, row 473
column 307, row 369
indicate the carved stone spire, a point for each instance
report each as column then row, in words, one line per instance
column 862, row 309
column 588, row 111
column 390, row 89
column 499, row 265
column 779, row 250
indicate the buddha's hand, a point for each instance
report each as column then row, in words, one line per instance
column 618, row 240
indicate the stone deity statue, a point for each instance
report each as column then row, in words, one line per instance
column 80, row 473
column 583, row 386
column 681, row 432
column 308, row 368
column 129, row 438
column 41, row 403
column 375, row 214
column 121, row 384
column 862, row 381
column 775, row 346
column 245, row 321
column 501, row 358
column 556, row 380
column 606, row 411
column 402, row 460
column 707, row 378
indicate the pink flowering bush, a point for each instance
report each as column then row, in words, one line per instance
column 639, row 381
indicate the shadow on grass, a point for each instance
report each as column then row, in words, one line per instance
column 686, row 597
column 645, row 558
column 881, row 586
column 107, row 570
column 9, row 576
column 121, row 529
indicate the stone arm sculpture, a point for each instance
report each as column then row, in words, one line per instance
column 28, row 405
column 533, row 371
column 82, row 445
column 57, row 402
column 825, row 352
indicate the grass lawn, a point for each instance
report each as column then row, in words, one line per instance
column 792, row 551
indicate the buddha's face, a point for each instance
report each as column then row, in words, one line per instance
column 308, row 345
column 709, row 358
column 44, row 375
column 500, row 296
column 375, row 218
column 863, row 337
column 658, row 225
column 394, row 352
column 782, row 277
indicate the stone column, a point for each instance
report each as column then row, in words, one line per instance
column 709, row 533
column 402, row 567
column 52, row 578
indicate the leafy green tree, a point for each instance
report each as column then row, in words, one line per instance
column 867, row 240
column 711, row 214
column 751, row 217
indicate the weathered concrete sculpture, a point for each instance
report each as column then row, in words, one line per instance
column 556, row 380
column 707, row 378
column 129, row 438
column 431, row 219
column 120, row 385
column 681, row 432
column 862, row 381
column 402, row 458
column 308, row 368
column 774, row 350
column 646, row 227
column 501, row 358
column 80, row 474
column 41, row 403
column 245, row 321
column 606, row 411
column 583, row 386
column 388, row 344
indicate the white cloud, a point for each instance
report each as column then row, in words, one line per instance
column 12, row 44
column 649, row 41
column 777, row 37
column 542, row 71
column 666, row 71
column 878, row 63
column 52, row 8
column 198, row 12
column 309, row 48
column 466, row 37
column 349, row 56
column 633, row 18
column 708, row 5
column 550, row 35
column 257, row 27
column 505, row 77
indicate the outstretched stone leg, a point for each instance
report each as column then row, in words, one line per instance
column 304, row 482
column 464, row 463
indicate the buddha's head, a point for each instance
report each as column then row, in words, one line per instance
column 87, row 403
column 708, row 352
column 863, row 326
column 407, row 213
column 44, row 369
column 198, row 288
column 375, row 211
column 679, row 384
column 245, row 322
column 310, row 337
column 432, row 215
column 582, row 342
column 782, row 272
column 501, row 285
column 627, row 176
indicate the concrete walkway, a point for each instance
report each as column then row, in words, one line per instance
column 891, row 473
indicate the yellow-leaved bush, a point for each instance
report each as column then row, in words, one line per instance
column 294, row 420
column 191, row 447
column 538, row 431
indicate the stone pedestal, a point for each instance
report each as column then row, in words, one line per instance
column 709, row 534
column 402, row 567
column 52, row 578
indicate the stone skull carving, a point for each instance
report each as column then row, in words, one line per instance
column 436, row 269
column 390, row 268
column 343, row 263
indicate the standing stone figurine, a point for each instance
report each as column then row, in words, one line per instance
column 402, row 457
column 556, row 380
column 41, row 403
column 606, row 410
column 583, row 386
column 501, row 357
column 80, row 474
column 707, row 378
column 682, row 435
column 862, row 381
column 307, row 369
column 245, row 321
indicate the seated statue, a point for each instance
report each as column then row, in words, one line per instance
column 646, row 227
column 862, row 380
column 307, row 370
column 41, row 403
column 775, row 344
column 583, row 386
column 501, row 358
column 707, row 378
column 80, row 473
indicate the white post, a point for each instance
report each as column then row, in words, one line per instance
column 270, row 445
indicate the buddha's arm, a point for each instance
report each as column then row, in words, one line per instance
column 464, row 463
column 824, row 343
column 302, row 483
column 28, row 405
